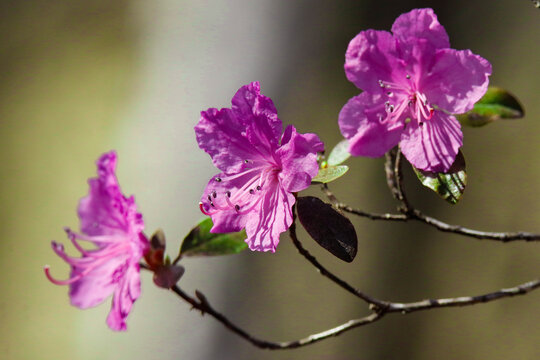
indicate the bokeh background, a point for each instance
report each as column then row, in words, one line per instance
column 79, row 78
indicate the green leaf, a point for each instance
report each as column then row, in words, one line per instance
column 330, row 173
column 329, row 228
column 339, row 153
column 201, row 242
column 496, row 104
column 451, row 185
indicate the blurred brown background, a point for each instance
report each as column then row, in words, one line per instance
column 79, row 78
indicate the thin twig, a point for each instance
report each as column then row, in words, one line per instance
column 417, row 215
column 325, row 272
column 379, row 307
column 394, row 178
column 373, row 216
column 458, row 229
column 465, row 300
column 203, row 305
column 389, row 164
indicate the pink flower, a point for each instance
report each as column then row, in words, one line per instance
column 412, row 83
column 260, row 173
column 109, row 221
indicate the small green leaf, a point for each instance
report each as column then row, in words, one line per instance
column 201, row 242
column 451, row 185
column 496, row 104
column 339, row 153
column 327, row 227
column 330, row 173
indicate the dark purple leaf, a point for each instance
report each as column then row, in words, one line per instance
column 328, row 227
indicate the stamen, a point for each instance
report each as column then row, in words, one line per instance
column 78, row 247
column 75, row 278
column 201, row 207
column 231, row 205
column 392, row 85
column 87, row 264
column 407, row 76
column 250, row 207
column 240, row 198
column 392, row 113
column 214, row 194
column 47, row 270
column 240, row 174
column 105, row 239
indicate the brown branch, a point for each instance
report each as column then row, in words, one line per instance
column 204, row 307
column 201, row 303
column 347, row 208
column 379, row 307
column 465, row 300
column 394, row 178
column 458, row 229
column 417, row 215
column 325, row 272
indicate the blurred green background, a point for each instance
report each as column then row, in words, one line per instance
column 79, row 78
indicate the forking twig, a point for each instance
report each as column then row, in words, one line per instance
column 202, row 304
column 379, row 308
column 407, row 212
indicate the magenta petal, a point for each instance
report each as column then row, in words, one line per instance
column 298, row 160
column 313, row 140
column 228, row 221
column 249, row 130
column 259, row 116
column 95, row 287
column 218, row 132
column 457, row 80
column 105, row 210
column 274, row 218
column 420, row 24
column 123, row 299
column 370, row 57
column 434, row 145
column 359, row 123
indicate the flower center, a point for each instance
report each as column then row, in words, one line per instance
column 245, row 198
column 403, row 98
